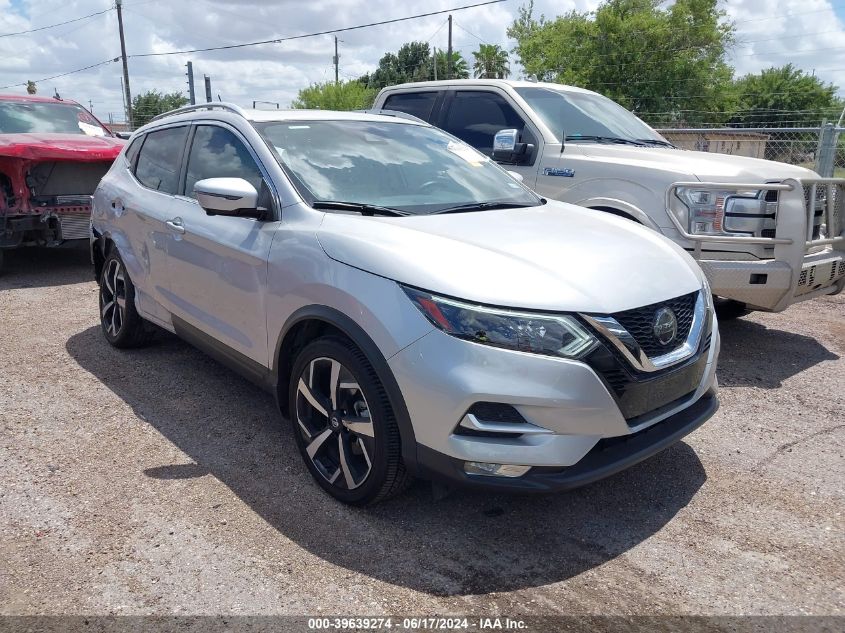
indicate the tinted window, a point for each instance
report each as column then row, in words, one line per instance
column 132, row 150
column 218, row 153
column 475, row 117
column 160, row 158
column 419, row 104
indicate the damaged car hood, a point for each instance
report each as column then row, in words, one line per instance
column 75, row 147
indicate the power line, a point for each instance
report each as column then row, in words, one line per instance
column 318, row 33
column 52, row 26
column 467, row 31
column 70, row 72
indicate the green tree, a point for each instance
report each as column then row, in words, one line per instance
column 346, row 95
column 412, row 62
column 152, row 103
column 784, row 97
column 665, row 63
column 491, row 62
column 460, row 68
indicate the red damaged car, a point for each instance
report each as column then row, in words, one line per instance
column 53, row 154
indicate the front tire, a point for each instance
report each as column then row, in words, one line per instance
column 729, row 309
column 122, row 326
column 344, row 424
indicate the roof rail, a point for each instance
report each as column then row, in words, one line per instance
column 221, row 105
column 394, row 113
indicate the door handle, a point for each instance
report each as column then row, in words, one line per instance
column 176, row 225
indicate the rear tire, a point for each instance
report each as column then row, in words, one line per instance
column 122, row 326
column 344, row 424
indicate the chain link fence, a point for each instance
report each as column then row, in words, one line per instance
column 821, row 148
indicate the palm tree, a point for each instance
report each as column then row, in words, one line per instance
column 460, row 68
column 491, row 62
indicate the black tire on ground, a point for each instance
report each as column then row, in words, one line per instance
column 350, row 440
column 1, row 260
column 122, row 326
column 728, row 309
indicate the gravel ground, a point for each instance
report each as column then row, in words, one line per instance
column 157, row 482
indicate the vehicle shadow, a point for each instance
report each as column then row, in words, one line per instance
column 39, row 267
column 754, row 355
column 467, row 543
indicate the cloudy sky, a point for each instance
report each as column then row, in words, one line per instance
column 808, row 33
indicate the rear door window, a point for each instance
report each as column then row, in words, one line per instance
column 475, row 116
column 419, row 104
column 160, row 159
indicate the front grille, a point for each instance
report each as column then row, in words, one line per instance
column 640, row 323
column 75, row 227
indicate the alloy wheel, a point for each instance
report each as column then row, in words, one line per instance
column 113, row 297
column 334, row 419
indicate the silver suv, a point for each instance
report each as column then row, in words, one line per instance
column 415, row 309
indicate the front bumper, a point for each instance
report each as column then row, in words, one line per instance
column 608, row 457
column 442, row 377
column 772, row 284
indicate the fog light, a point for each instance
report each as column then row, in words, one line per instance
column 495, row 470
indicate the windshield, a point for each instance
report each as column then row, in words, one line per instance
column 411, row 168
column 28, row 117
column 584, row 114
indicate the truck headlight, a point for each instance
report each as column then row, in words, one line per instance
column 706, row 207
column 548, row 334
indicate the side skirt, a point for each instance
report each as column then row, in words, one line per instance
column 251, row 370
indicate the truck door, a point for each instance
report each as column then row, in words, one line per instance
column 474, row 116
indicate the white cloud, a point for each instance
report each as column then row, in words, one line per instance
column 794, row 31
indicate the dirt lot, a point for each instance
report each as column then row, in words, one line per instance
column 157, row 482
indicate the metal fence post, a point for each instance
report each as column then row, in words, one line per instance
column 827, row 150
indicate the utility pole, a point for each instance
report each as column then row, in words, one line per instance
column 207, row 89
column 435, row 63
column 449, row 51
column 191, row 93
column 119, row 7
column 90, row 106
column 336, row 60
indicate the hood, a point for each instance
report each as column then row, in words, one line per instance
column 75, row 147
column 556, row 257
column 705, row 166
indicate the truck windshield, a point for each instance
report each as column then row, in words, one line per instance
column 386, row 166
column 579, row 114
column 28, row 117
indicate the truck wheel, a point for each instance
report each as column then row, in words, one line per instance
column 122, row 326
column 728, row 309
column 344, row 425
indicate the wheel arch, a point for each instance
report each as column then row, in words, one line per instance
column 313, row 321
column 620, row 208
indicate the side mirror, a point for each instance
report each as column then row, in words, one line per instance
column 516, row 175
column 228, row 196
column 506, row 149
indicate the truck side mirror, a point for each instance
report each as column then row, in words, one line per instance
column 506, row 149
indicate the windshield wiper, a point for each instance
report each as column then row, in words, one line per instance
column 605, row 139
column 482, row 206
column 654, row 141
column 360, row 207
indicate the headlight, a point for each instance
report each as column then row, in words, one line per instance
column 706, row 208
column 548, row 334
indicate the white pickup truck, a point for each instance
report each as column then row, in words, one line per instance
column 766, row 234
